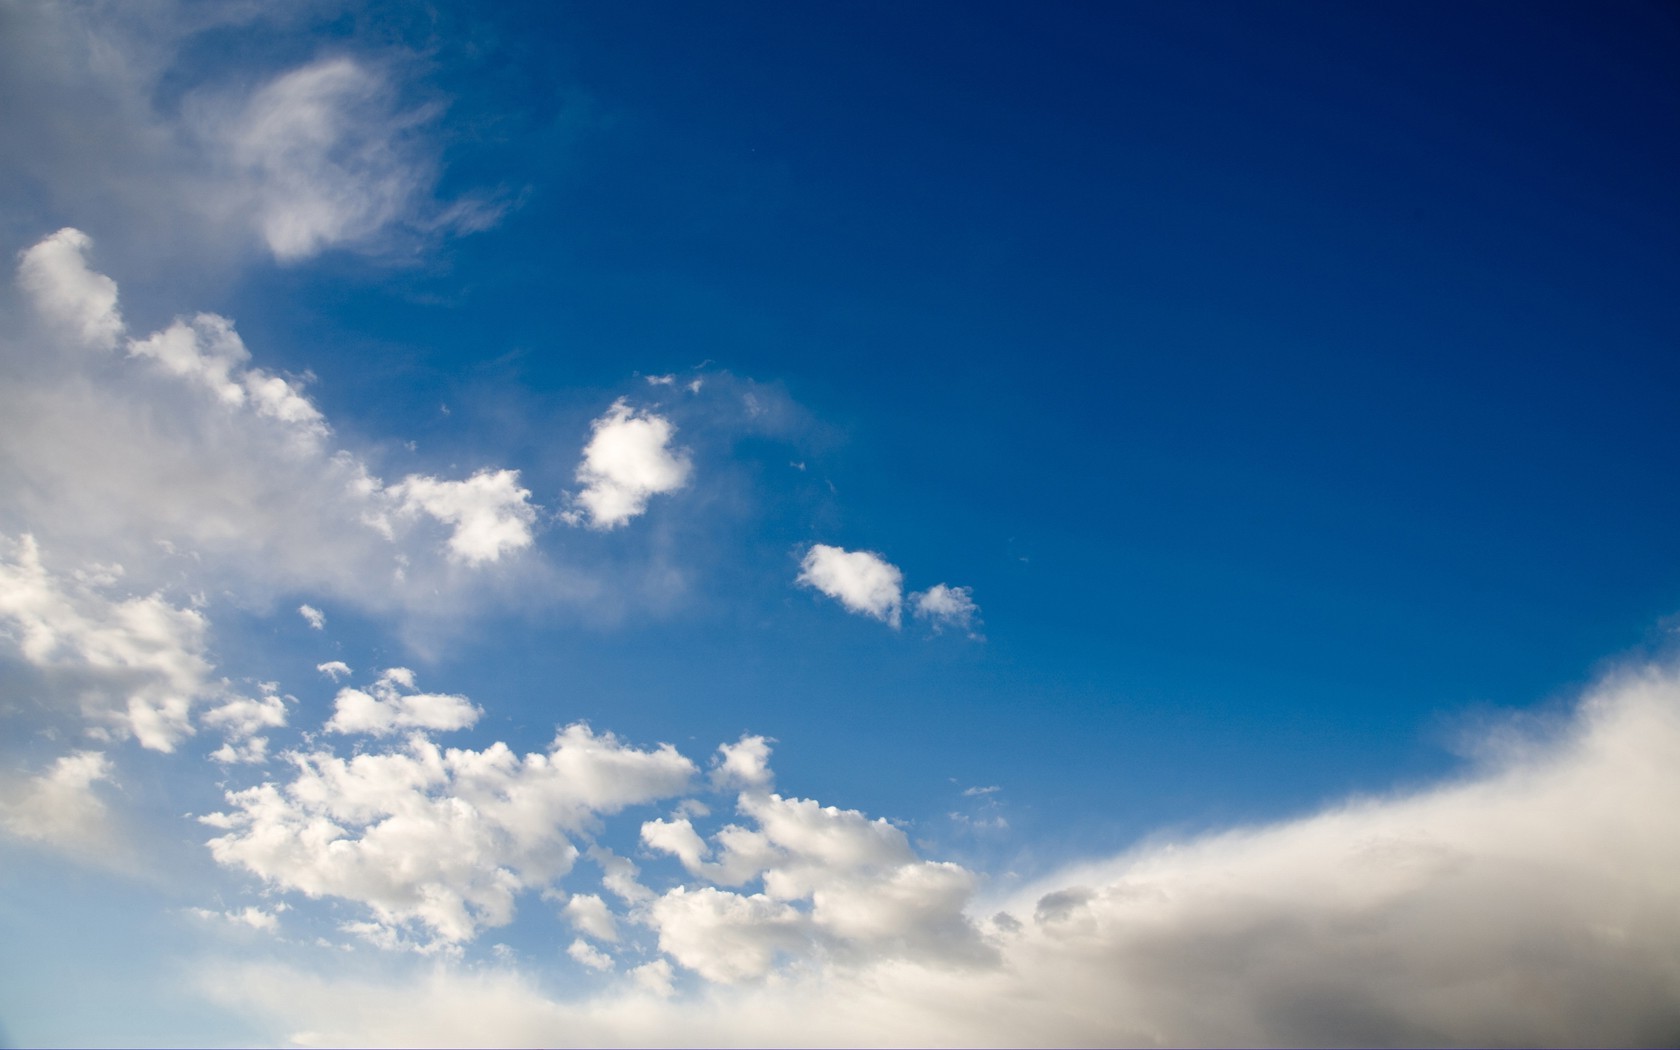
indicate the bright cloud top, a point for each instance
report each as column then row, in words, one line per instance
column 437, row 842
column 56, row 276
column 490, row 513
column 627, row 462
column 862, row 581
column 384, row 708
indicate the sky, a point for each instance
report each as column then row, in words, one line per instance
column 877, row 524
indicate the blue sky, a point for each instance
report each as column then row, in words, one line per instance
column 621, row 524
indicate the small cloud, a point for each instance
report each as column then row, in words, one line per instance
column 665, row 380
column 627, row 462
column 862, row 581
column 976, row 792
column 943, row 607
column 315, row 617
column 334, row 669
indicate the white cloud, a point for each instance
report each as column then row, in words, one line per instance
column 862, row 581
column 943, row 606
column 590, row 915
column 314, row 617
column 59, row 808
column 743, row 765
column 490, row 513
column 440, row 840
column 384, row 709
column 627, row 462
column 1531, row 903
column 241, row 719
column 588, row 955
column 134, row 666
column 334, row 669
column 56, row 275
column 183, row 456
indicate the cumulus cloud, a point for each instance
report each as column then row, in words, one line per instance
column 627, row 462
column 385, row 709
column 862, row 581
column 183, row 455
column 68, row 292
column 334, row 669
column 943, row 607
column 489, row 513
column 135, row 666
column 1532, row 902
column 313, row 616
column 437, row 841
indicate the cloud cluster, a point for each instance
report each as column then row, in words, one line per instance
column 435, row 842
column 1532, row 904
column 181, row 448
column 384, row 708
column 134, row 666
column 628, row 461
column 869, row 585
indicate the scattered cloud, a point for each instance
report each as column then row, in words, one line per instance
column 313, row 616
column 334, row 669
column 1531, row 903
column 133, row 666
column 627, row 462
column 384, row 709
column 490, row 514
column 943, row 607
column 437, row 842
column 862, row 581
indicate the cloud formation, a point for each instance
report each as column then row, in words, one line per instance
column 384, row 709
column 436, row 843
column 943, row 607
column 862, row 581
column 1532, row 903
column 628, row 461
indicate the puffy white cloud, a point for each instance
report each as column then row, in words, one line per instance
column 442, row 840
column 627, row 462
column 182, row 457
column 743, row 765
column 68, row 292
column 943, row 606
column 1533, row 902
column 134, row 666
column 588, row 955
column 241, row 719
column 490, row 513
column 862, row 581
column 314, row 617
column 589, row 914
column 384, row 709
